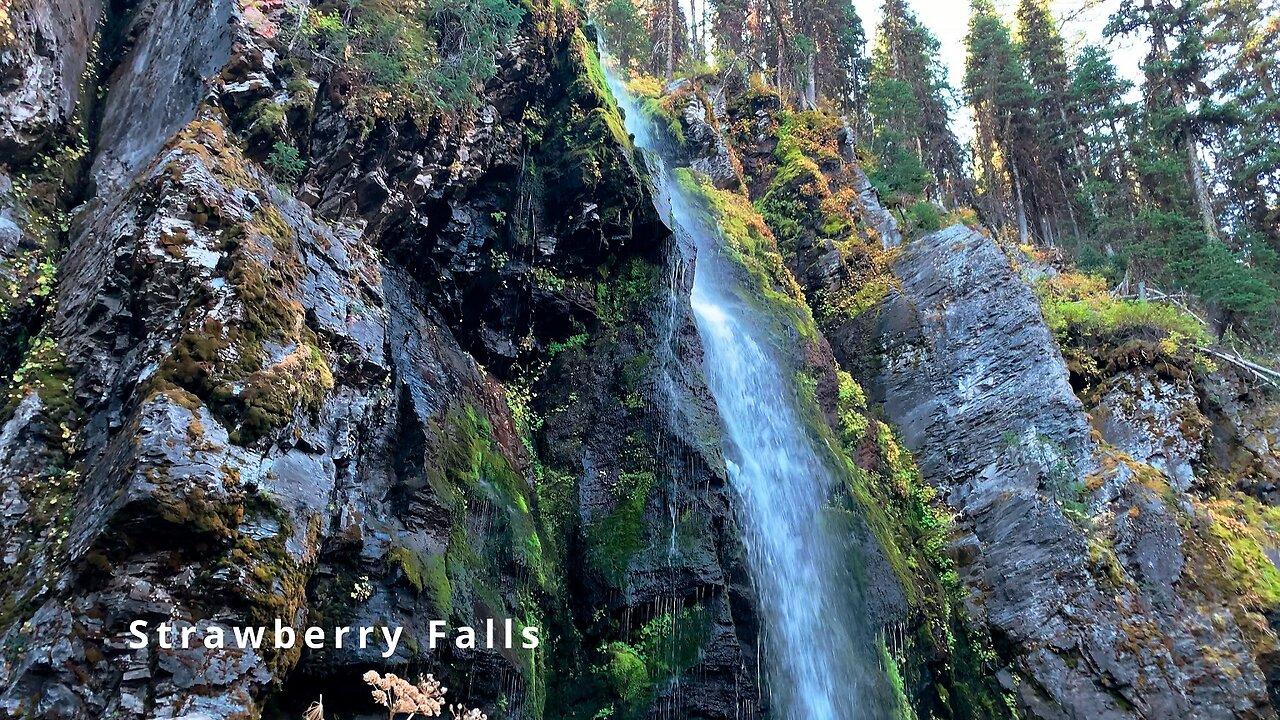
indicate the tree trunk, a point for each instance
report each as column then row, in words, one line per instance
column 1066, row 196
column 811, row 85
column 1022, row 210
column 671, row 40
column 1201, row 188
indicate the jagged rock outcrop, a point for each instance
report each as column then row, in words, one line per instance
column 1156, row 421
column 417, row 383
column 1105, row 612
column 45, row 49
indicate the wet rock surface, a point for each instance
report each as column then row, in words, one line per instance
column 46, row 50
column 252, row 399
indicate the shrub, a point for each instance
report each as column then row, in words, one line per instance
column 1079, row 306
column 285, row 162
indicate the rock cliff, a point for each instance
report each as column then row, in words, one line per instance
column 276, row 354
column 1108, row 482
column 289, row 334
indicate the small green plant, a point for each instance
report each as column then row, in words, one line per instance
column 285, row 162
column 571, row 343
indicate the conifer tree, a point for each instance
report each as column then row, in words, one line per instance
column 1006, row 138
column 1180, row 237
column 910, row 103
column 624, row 26
column 1058, row 133
column 1098, row 93
column 1243, row 41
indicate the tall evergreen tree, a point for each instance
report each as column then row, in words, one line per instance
column 1045, row 57
column 1174, row 71
column 669, row 30
column 1098, row 93
column 1243, row 40
column 1003, row 101
column 624, row 26
column 1180, row 232
column 832, row 42
column 910, row 104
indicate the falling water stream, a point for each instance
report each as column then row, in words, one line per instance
column 821, row 664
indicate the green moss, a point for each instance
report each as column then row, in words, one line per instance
column 429, row 576
column 1079, row 307
column 851, row 406
column 1247, row 530
column 582, row 149
column 902, row 705
column 227, row 365
column 629, row 286
column 664, row 648
column 750, row 243
column 627, row 673
column 617, row 537
column 44, row 372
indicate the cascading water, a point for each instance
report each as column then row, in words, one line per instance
column 823, row 665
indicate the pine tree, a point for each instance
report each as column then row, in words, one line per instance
column 624, row 26
column 1006, row 151
column 1098, row 93
column 1180, row 238
column 669, row 33
column 1243, row 40
column 1045, row 58
column 910, row 103
column 830, row 38
column 1174, row 67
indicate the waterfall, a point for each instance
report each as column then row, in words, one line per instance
column 823, row 664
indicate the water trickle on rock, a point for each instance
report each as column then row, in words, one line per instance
column 823, row 664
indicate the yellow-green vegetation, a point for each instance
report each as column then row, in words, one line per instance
column 885, row 490
column 425, row 575
column 1079, row 308
column 614, row 539
column 800, row 199
column 663, row 648
column 1100, row 333
column 495, row 535
column 43, row 371
column 902, row 709
column 472, row 473
column 413, row 57
column 664, row 110
column 277, row 581
column 1246, row 530
column 751, row 244
column 625, row 288
column 50, row 491
column 810, row 201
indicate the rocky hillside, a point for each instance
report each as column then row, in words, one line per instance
column 287, row 340
column 1104, row 474
column 301, row 322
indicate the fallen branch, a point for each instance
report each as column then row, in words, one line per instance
column 1265, row 374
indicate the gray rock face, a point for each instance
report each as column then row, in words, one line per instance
column 868, row 203
column 176, row 49
column 970, row 370
column 1101, row 617
column 704, row 143
column 1156, row 421
column 251, row 405
column 44, row 49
